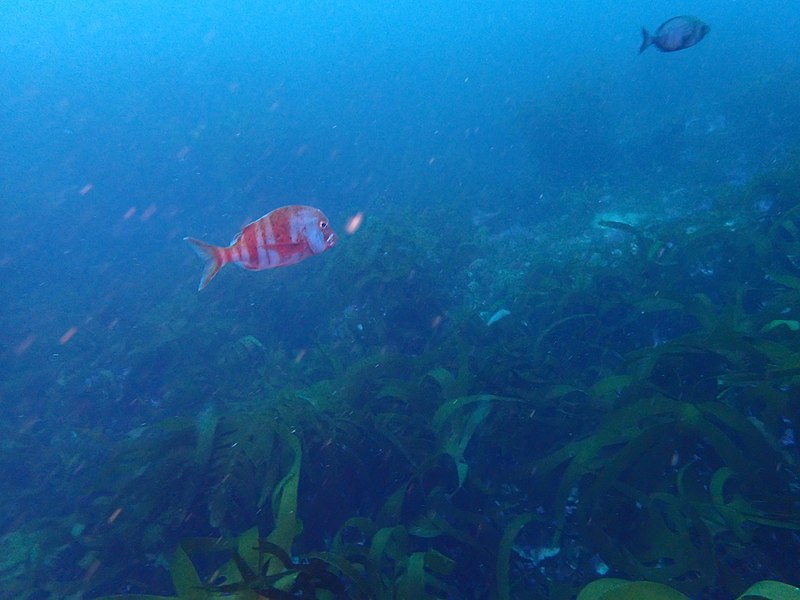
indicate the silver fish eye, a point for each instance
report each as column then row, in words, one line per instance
column 323, row 224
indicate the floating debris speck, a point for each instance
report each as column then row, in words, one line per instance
column 494, row 318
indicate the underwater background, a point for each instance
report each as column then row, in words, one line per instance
column 563, row 345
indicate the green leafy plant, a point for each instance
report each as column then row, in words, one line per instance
column 621, row 589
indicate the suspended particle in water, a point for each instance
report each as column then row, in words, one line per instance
column 68, row 334
column 114, row 515
column 354, row 223
column 23, row 346
column 148, row 212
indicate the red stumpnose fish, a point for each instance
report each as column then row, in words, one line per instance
column 282, row 237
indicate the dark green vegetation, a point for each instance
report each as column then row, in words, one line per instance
column 611, row 588
column 633, row 409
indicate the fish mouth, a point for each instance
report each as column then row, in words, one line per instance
column 331, row 239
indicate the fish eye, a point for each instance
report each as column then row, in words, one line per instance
column 323, row 224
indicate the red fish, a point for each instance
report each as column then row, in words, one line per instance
column 283, row 237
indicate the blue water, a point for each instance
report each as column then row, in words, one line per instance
column 126, row 126
column 345, row 107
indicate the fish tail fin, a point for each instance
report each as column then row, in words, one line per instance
column 213, row 259
column 647, row 40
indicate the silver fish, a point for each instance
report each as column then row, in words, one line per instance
column 676, row 34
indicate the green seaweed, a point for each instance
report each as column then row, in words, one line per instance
column 621, row 589
column 613, row 472
column 771, row 590
column 504, row 553
column 455, row 422
column 284, row 502
column 637, row 405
